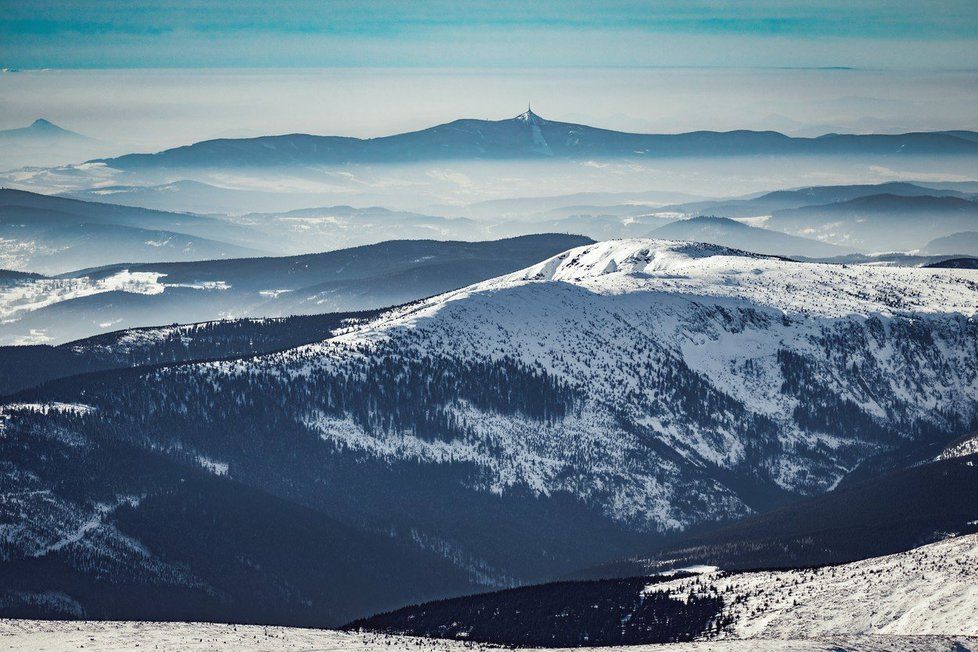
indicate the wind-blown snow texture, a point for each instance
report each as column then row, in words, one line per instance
column 642, row 385
column 728, row 359
column 35, row 635
column 927, row 590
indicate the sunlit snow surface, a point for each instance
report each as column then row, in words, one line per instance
column 962, row 448
column 928, row 590
column 39, row 635
column 605, row 318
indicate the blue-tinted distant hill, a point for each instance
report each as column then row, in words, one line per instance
column 883, row 222
column 736, row 235
column 108, row 298
column 45, row 143
column 53, row 235
column 528, row 137
column 40, row 129
column 965, row 242
column 777, row 200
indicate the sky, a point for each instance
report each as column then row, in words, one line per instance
column 927, row 34
column 150, row 109
column 142, row 75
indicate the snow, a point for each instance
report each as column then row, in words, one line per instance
column 610, row 319
column 605, row 318
column 215, row 467
column 35, row 294
column 542, row 457
column 45, row 408
column 58, row 524
column 698, row 569
column 123, row 636
column 928, row 590
column 961, row 448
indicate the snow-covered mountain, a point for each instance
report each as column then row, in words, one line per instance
column 558, row 416
column 761, row 334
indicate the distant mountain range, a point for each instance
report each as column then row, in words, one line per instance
column 737, row 235
column 530, row 137
column 965, row 242
column 337, row 227
column 40, row 129
column 882, row 222
column 45, row 143
column 197, row 197
column 779, row 200
column 53, row 235
column 83, row 303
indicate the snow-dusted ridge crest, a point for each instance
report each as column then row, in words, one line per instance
column 881, row 351
column 693, row 268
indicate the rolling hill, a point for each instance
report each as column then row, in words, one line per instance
column 879, row 222
column 45, row 143
column 526, row 137
column 736, row 235
column 929, row 590
column 767, row 203
column 53, row 235
column 102, row 299
column 964, row 243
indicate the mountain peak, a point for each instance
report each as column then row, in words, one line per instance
column 639, row 256
column 530, row 117
column 46, row 125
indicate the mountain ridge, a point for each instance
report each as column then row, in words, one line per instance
column 527, row 136
column 580, row 409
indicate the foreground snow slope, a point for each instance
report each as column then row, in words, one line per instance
column 928, row 590
column 923, row 599
column 113, row 636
